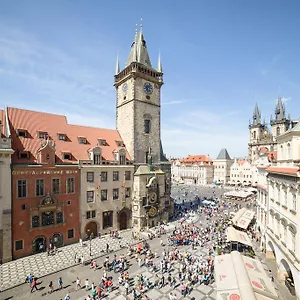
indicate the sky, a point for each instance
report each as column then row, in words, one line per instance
column 218, row 57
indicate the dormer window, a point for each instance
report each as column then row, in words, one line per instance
column 22, row 132
column 102, row 142
column 24, row 154
column 67, row 155
column 116, row 155
column 97, row 159
column 119, row 143
column 82, row 140
column 122, row 159
column 62, row 137
column 43, row 134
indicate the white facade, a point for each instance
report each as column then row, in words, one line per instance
column 222, row 170
column 198, row 173
column 242, row 172
column 283, row 220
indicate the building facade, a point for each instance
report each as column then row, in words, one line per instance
column 242, row 172
column 5, row 190
column 261, row 135
column 194, row 169
column 138, row 88
column 222, row 165
column 283, row 221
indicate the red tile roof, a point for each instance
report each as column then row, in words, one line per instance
column 34, row 122
column 261, row 187
column 194, row 159
column 284, row 170
column 242, row 161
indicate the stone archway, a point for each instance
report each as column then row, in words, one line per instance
column 91, row 228
column 286, row 275
column 123, row 220
column 39, row 244
column 58, row 239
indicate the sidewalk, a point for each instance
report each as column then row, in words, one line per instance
column 14, row 273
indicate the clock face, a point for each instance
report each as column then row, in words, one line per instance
column 152, row 197
column 148, row 88
column 125, row 87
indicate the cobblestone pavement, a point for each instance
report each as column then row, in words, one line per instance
column 15, row 272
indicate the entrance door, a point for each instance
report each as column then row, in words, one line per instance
column 91, row 228
column 58, row 239
column 123, row 220
column 39, row 244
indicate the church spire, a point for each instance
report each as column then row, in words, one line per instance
column 117, row 66
column 139, row 51
column 159, row 65
column 279, row 110
column 256, row 115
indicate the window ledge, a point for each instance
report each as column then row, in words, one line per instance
column 284, row 206
column 293, row 211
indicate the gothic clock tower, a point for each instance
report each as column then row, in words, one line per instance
column 138, row 88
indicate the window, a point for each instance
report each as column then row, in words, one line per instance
column 69, row 202
column 107, row 219
column 70, row 185
column 82, row 140
column 62, row 137
column 115, row 194
column 21, row 132
column 22, row 188
column 103, row 195
column 102, row 142
column 59, row 218
column 19, row 245
column 103, row 176
column 115, row 175
column 43, row 135
column 23, row 206
column 91, row 214
column 122, row 160
column 278, row 131
column 97, row 159
column 39, row 187
column 70, row 233
column 147, row 125
column 127, row 192
column 146, row 157
column 67, row 156
column 55, row 185
column 294, row 204
column 35, row 221
column 24, row 154
column 90, row 196
column 127, row 175
column 47, row 218
column 90, row 176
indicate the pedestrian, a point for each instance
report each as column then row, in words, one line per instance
column 126, row 286
column 78, row 285
column 33, row 285
column 87, row 286
column 75, row 257
column 60, row 283
column 67, row 297
column 107, row 247
column 50, row 287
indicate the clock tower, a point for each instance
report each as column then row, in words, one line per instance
column 138, row 88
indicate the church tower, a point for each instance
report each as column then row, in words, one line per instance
column 138, row 103
column 280, row 124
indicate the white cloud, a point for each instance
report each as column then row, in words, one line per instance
column 172, row 102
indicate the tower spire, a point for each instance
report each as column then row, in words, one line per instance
column 117, row 66
column 159, row 65
column 256, row 115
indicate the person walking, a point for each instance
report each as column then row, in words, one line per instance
column 33, row 285
column 107, row 247
column 78, row 285
column 50, row 287
column 60, row 283
column 87, row 286
column 126, row 286
column 67, row 297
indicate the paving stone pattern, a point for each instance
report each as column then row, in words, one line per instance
column 14, row 273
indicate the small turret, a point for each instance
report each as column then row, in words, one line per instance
column 159, row 65
column 256, row 116
column 117, row 66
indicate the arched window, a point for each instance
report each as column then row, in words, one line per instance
column 147, row 126
column 254, row 134
column 59, row 218
column 47, row 218
column 278, row 131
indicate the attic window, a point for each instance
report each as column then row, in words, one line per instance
column 102, row 142
column 62, row 136
column 43, row 134
column 21, row 132
column 82, row 140
column 119, row 143
column 24, row 154
column 67, row 155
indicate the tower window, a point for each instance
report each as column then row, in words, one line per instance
column 147, row 125
column 278, row 131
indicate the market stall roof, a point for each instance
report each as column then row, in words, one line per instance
column 243, row 218
column 240, row 277
column 234, row 235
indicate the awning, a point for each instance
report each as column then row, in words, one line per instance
column 243, row 218
column 234, row 235
column 239, row 277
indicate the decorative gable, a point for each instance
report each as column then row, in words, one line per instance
column 46, row 153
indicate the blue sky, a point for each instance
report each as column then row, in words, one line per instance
column 219, row 57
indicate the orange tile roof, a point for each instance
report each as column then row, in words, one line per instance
column 34, row 122
column 284, row 170
column 193, row 159
column 261, row 187
column 242, row 161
